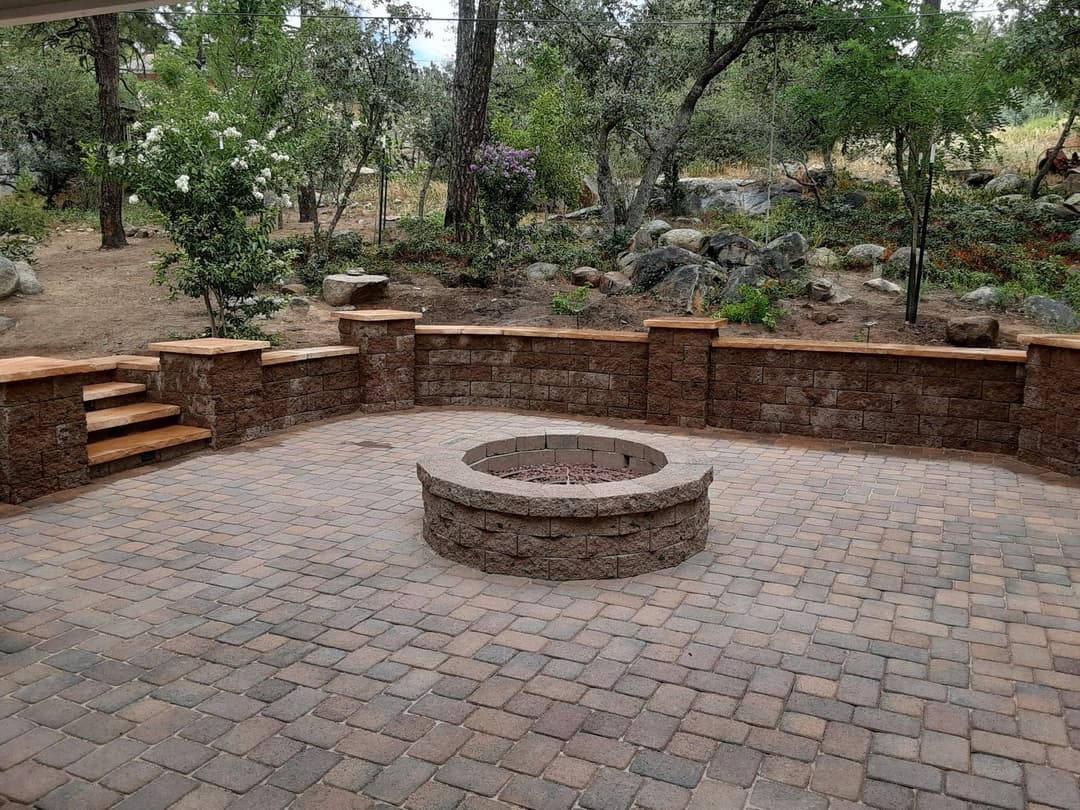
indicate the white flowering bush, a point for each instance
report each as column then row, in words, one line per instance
column 219, row 195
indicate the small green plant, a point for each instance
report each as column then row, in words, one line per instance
column 571, row 303
column 24, row 211
column 753, row 306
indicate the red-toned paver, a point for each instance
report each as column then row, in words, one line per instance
column 264, row 626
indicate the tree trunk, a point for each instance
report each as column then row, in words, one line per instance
column 1047, row 164
column 605, row 184
column 306, row 202
column 424, row 186
column 472, row 82
column 105, row 47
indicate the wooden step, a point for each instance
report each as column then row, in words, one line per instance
column 146, row 441
column 128, row 415
column 92, row 393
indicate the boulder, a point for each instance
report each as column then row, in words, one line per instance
column 646, row 270
column 684, row 287
column 1010, row 202
column 975, row 332
column 822, row 259
column 979, row 178
column 685, row 238
column 641, row 240
column 541, row 271
column 854, row 199
column 1005, row 183
column 773, row 264
column 342, row 289
column 1073, row 201
column 840, row 295
column 793, row 245
column 294, row 289
column 982, row 297
column 9, row 277
column 28, row 283
column 865, row 255
column 750, row 196
column 882, row 285
column 741, row 276
column 657, row 228
column 900, row 258
column 818, row 289
column 590, row 232
column 586, row 277
column 582, row 213
column 730, row 249
column 299, row 304
column 355, row 271
column 1056, row 313
column 1057, row 210
column 615, row 282
column 6, row 324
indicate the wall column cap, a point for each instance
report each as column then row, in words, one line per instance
column 377, row 315
column 710, row 324
column 209, row 346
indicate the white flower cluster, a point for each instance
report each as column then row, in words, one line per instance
column 279, row 157
column 232, row 132
column 238, row 163
column 114, row 157
column 212, row 118
column 183, row 182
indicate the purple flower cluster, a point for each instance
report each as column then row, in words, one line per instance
column 501, row 161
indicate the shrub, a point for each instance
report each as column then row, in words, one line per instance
column 753, row 306
column 571, row 303
column 504, row 184
column 219, row 196
column 24, row 211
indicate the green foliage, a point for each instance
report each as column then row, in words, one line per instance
column 505, row 178
column 571, row 303
column 753, row 306
column 47, row 109
column 423, row 239
column 219, row 195
column 24, row 211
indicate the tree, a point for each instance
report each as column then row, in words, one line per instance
column 104, row 34
column 429, row 124
column 1043, row 44
column 905, row 82
column 477, row 26
column 47, row 112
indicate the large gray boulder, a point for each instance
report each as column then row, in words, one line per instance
column 750, row 196
column 773, row 263
column 685, row 238
column 741, row 276
column 342, row 289
column 793, row 245
column 685, row 287
column 731, row 249
column 9, row 277
column 975, row 332
column 865, row 255
column 615, row 282
column 541, row 271
column 646, row 270
column 982, row 297
column 824, row 290
column 657, row 228
column 822, row 259
column 1005, row 183
column 901, row 257
column 1050, row 311
column 28, row 283
column 1058, row 210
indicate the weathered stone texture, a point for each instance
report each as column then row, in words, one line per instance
column 678, row 377
column 967, row 404
column 42, row 437
column 561, row 375
column 1050, row 416
column 222, row 392
column 387, row 362
column 309, row 390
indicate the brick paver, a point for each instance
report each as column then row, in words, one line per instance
column 263, row 627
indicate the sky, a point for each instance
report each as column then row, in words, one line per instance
column 439, row 47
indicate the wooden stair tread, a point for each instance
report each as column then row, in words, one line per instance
column 128, row 415
column 101, row 452
column 92, row 393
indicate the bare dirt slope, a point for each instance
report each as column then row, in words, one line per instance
column 104, row 302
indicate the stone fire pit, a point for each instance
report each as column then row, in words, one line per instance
column 618, row 528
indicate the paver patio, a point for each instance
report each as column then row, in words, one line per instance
column 263, row 627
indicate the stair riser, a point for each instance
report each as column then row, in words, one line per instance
column 158, row 456
column 115, row 402
column 137, row 427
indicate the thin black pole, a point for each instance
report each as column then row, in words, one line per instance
column 922, row 237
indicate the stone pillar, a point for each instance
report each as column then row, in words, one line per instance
column 387, row 342
column 1050, row 414
column 217, row 383
column 42, row 426
column 678, row 384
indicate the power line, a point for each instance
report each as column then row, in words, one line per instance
column 568, row 21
